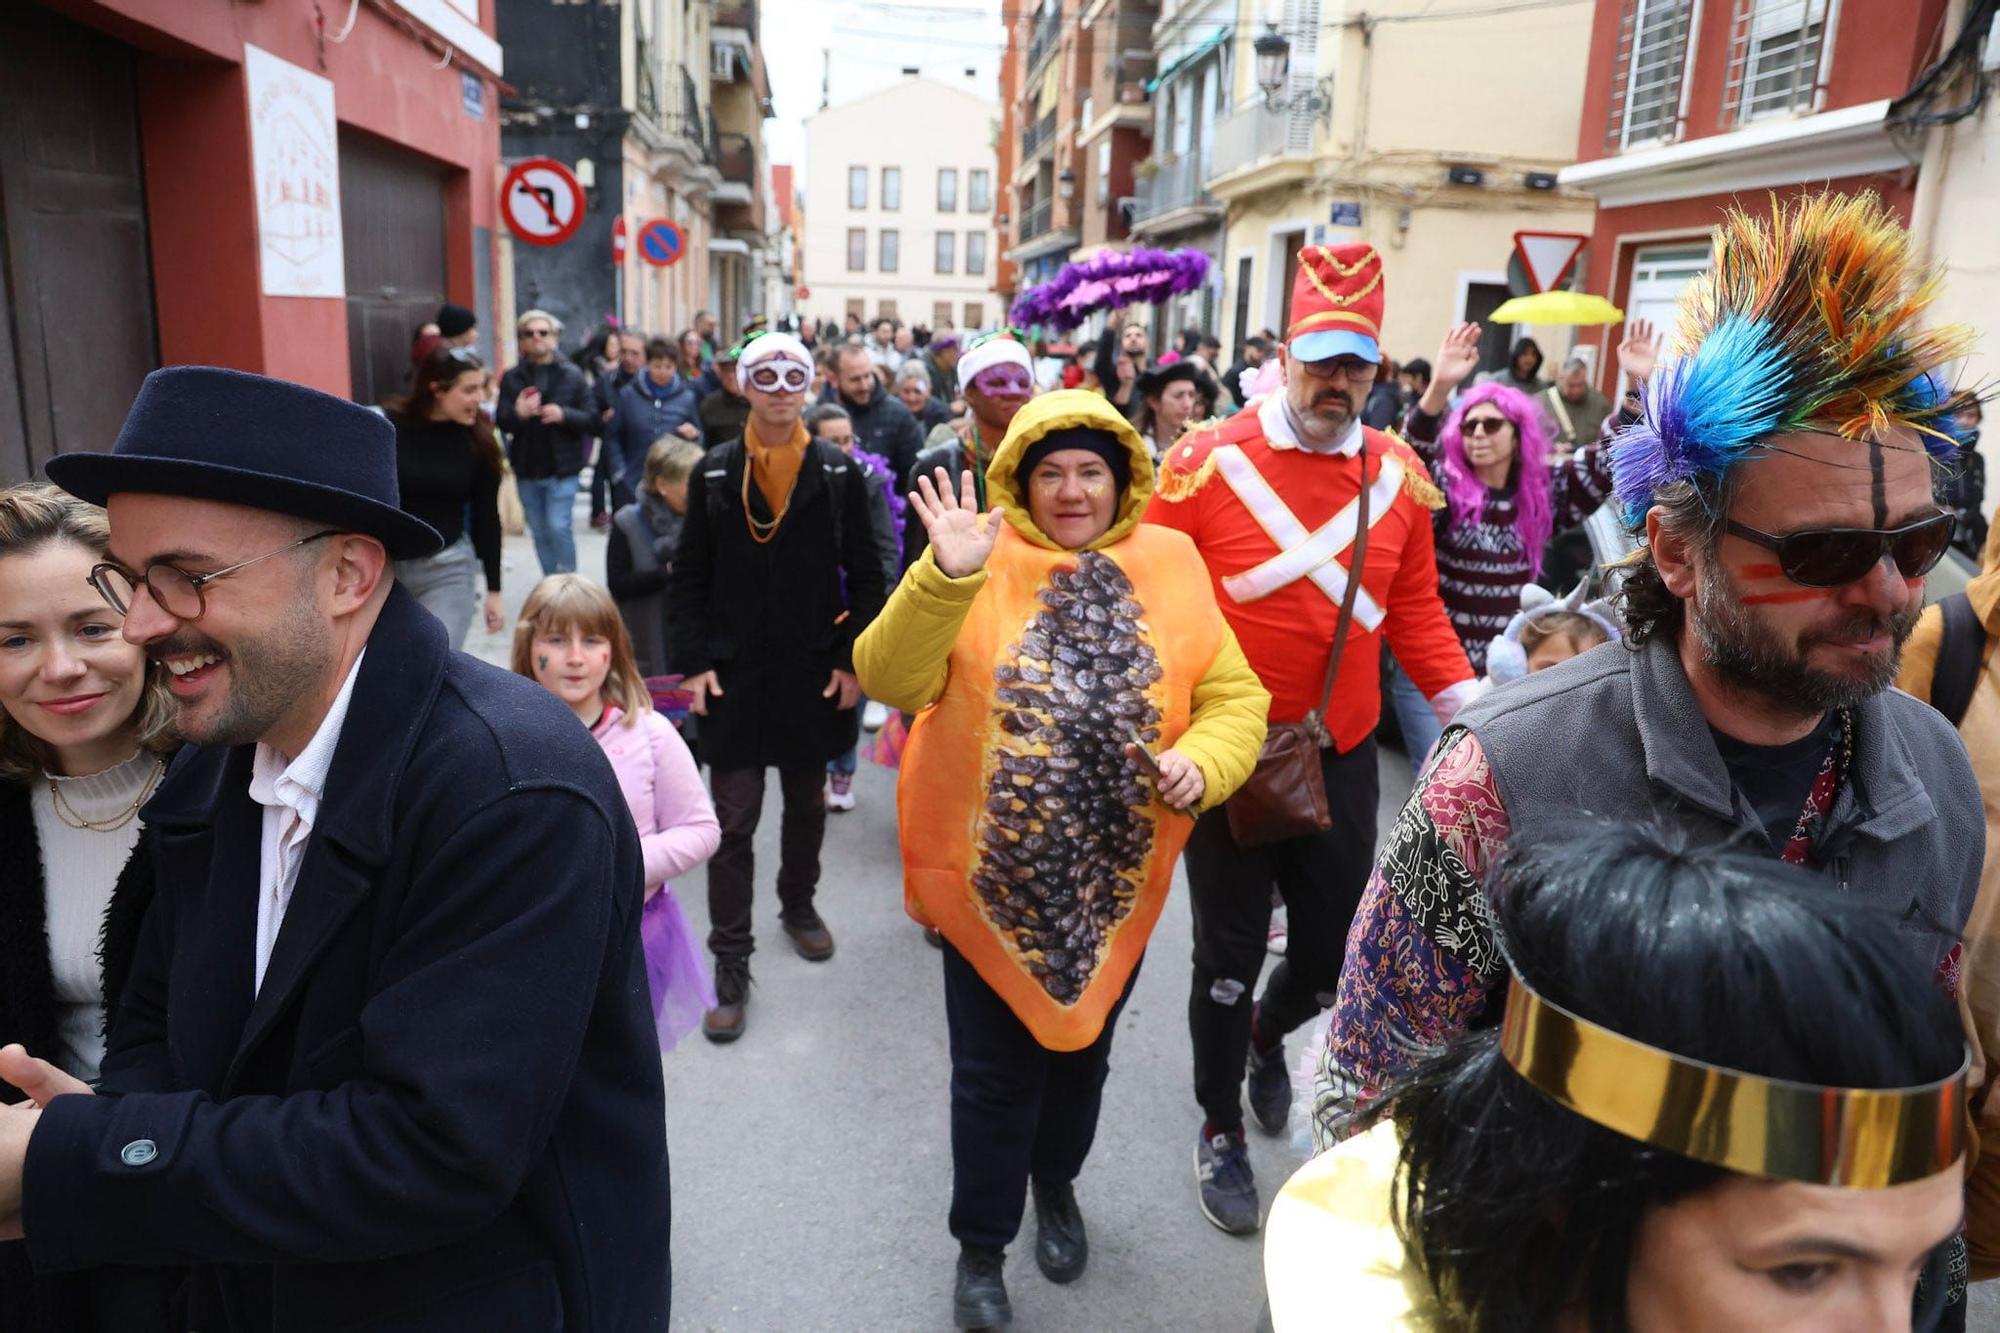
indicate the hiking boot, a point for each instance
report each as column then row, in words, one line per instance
column 1228, row 1190
column 809, row 936
column 1061, row 1248
column 725, row 1022
column 1270, row 1089
column 980, row 1298
column 840, row 792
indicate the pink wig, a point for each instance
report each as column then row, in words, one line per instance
column 1533, row 518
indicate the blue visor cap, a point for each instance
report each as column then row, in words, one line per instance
column 1322, row 344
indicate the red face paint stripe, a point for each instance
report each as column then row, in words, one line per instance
column 1763, row 572
column 1794, row 595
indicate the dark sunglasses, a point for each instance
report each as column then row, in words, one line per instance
column 1485, row 425
column 1352, row 368
column 1834, row 557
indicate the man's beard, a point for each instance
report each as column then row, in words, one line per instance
column 267, row 675
column 1749, row 655
column 1330, row 413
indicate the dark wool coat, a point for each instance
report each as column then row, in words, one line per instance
column 772, row 620
column 443, row 1108
column 537, row 449
column 59, row 1303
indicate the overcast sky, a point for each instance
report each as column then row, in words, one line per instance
column 870, row 44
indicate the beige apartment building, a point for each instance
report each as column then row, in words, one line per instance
column 899, row 202
column 1433, row 132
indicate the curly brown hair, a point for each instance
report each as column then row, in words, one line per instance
column 1695, row 509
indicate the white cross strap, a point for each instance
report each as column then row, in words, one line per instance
column 1303, row 554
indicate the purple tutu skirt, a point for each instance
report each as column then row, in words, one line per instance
column 676, row 971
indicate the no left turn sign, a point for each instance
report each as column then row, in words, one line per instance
column 541, row 201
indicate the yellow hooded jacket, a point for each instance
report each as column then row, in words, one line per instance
column 1029, row 838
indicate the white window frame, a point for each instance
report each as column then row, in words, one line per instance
column 975, row 254
column 857, row 176
column 944, row 252
column 1667, row 129
column 1771, row 22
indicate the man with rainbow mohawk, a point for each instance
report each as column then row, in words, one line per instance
column 1781, row 480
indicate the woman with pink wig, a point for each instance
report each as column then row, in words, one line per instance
column 1506, row 494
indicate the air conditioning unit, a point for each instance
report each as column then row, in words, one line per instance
column 722, row 63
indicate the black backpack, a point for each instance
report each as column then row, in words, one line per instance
column 1961, row 658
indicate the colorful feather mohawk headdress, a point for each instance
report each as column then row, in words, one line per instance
column 1807, row 320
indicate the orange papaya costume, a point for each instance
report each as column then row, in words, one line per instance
column 1031, row 839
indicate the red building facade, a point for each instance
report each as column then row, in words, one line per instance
column 1693, row 105
column 170, row 197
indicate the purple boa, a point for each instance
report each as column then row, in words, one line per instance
column 1108, row 281
column 879, row 465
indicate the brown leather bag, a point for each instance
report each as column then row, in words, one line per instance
column 1285, row 795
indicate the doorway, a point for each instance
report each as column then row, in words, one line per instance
column 77, row 330
column 392, row 222
column 1481, row 300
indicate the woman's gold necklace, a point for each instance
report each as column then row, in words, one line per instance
column 73, row 818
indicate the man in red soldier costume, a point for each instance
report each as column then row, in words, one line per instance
column 1272, row 496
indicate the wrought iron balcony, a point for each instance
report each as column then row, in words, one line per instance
column 1177, row 184
column 1037, row 220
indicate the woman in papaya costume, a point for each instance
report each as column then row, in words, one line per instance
column 1079, row 699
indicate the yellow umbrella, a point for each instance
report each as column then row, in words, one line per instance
column 1558, row 308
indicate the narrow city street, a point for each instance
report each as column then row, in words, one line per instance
column 811, row 1159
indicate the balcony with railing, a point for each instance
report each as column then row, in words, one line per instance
column 737, row 201
column 1174, row 194
column 1256, row 148
column 1047, row 33
column 1037, row 221
column 1038, row 134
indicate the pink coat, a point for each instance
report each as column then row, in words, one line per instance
column 677, row 826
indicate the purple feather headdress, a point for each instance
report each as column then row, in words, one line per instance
column 1108, row 281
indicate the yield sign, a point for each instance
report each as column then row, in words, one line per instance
column 541, row 201
column 1548, row 256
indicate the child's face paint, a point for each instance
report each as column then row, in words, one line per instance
column 572, row 665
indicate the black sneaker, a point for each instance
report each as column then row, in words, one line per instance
column 1270, row 1088
column 1228, row 1190
column 980, row 1298
column 724, row 1023
column 1061, row 1248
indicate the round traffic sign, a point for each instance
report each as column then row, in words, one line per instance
column 541, row 201
column 661, row 243
column 618, row 240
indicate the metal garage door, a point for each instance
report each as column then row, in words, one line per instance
column 76, row 284
column 392, row 224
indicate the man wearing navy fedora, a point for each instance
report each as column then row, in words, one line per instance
column 387, row 1059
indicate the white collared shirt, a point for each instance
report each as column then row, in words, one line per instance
column 290, row 792
column 1274, row 414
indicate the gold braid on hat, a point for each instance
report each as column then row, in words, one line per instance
column 1854, row 1138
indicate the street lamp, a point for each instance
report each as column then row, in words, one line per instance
column 1274, row 60
column 1274, row 64
column 1066, row 183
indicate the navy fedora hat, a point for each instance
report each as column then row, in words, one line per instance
column 213, row 434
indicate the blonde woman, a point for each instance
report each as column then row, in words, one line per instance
column 83, row 742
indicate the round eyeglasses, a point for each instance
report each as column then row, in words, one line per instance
column 172, row 588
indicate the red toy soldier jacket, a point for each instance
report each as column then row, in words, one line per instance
column 1276, row 524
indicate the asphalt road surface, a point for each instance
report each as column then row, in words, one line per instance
column 812, row 1161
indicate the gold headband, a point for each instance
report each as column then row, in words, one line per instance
column 1855, row 1138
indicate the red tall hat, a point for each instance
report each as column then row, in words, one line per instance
column 1336, row 303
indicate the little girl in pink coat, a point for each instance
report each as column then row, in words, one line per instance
column 572, row 640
